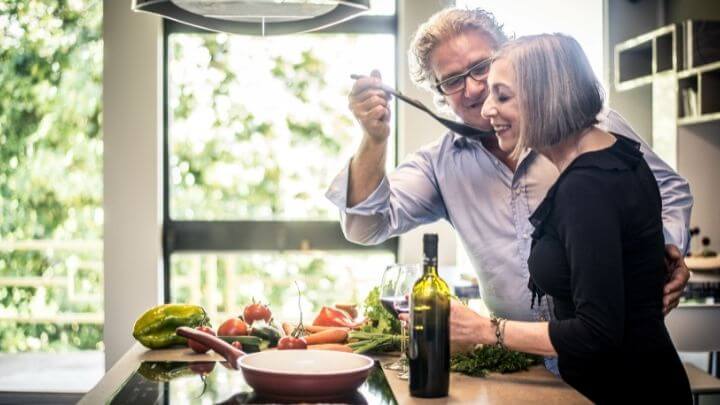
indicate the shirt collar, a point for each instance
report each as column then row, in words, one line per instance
column 460, row 141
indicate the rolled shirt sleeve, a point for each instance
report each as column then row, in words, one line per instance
column 406, row 198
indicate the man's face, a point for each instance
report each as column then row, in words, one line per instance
column 455, row 56
column 501, row 106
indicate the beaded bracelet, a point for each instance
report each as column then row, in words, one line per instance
column 499, row 324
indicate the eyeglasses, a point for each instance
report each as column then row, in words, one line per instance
column 454, row 84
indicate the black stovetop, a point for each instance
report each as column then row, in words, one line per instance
column 211, row 383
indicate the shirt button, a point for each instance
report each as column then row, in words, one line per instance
column 526, row 236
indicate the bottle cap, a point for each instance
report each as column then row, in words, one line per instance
column 430, row 244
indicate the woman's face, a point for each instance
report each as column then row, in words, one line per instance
column 501, row 106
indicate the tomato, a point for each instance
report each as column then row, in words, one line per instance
column 199, row 347
column 233, row 327
column 291, row 343
column 256, row 312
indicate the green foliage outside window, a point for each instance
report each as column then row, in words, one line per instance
column 51, row 171
column 236, row 160
column 259, row 127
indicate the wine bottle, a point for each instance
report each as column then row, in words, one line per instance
column 429, row 352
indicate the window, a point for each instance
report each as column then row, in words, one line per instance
column 256, row 128
column 51, row 290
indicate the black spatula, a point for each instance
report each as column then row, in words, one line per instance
column 457, row 127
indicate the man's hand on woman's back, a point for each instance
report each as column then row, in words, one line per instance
column 678, row 276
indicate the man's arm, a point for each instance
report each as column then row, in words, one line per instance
column 370, row 107
column 677, row 204
column 404, row 199
column 374, row 207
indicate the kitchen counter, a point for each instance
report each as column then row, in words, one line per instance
column 536, row 385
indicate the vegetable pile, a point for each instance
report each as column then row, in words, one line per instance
column 486, row 359
column 381, row 330
column 377, row 318
column 334, row 328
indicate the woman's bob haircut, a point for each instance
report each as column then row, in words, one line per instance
column 558, row 93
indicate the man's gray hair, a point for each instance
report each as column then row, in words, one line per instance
column 558, row 93
column 443, row 25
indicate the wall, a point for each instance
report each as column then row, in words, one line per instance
column 132, row 124
column 624, row 20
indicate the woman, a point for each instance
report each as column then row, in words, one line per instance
column 598, row 241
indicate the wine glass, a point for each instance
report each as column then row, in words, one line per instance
column 409, row 273
column 388, row 286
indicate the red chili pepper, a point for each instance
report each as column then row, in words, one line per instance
column 333, row 317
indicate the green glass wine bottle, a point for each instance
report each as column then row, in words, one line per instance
column 429, row 351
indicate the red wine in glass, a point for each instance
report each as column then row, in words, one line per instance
column 402, row 305
column 391, row 304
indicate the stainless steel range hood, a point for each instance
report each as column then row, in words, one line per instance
column 256, row 17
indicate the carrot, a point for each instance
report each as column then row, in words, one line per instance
column 331, row 346
column 327, row 336
column 317, row 328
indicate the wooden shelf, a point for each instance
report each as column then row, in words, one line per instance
column 700, row 69
column 689, row 52
column 700, row 119
column 699, row 95
column 639, row 59
column 703, row 38
column 688, row 48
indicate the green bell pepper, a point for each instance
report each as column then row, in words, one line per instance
column 155, row 329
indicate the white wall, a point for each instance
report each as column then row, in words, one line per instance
column 623, row 20
column 132, row 124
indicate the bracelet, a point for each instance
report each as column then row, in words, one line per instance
column 499, row 324
column 501, row 341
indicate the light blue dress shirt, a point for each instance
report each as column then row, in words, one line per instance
column 458, row 180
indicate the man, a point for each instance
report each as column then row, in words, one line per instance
column 486, row 194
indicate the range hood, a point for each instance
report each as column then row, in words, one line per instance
column 256, row 17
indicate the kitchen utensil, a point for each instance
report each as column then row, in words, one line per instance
column 306, row 374
column 457, row 127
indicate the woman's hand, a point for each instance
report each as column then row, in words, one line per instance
column 467, row 327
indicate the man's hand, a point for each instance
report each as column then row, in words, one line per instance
column 369, row 105
column 678, row 276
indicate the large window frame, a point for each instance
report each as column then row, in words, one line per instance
column 267, row 235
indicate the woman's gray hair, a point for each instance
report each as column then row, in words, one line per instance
column 444, row 25
column 558, row 93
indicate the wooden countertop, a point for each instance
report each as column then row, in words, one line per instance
column 536, row 385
